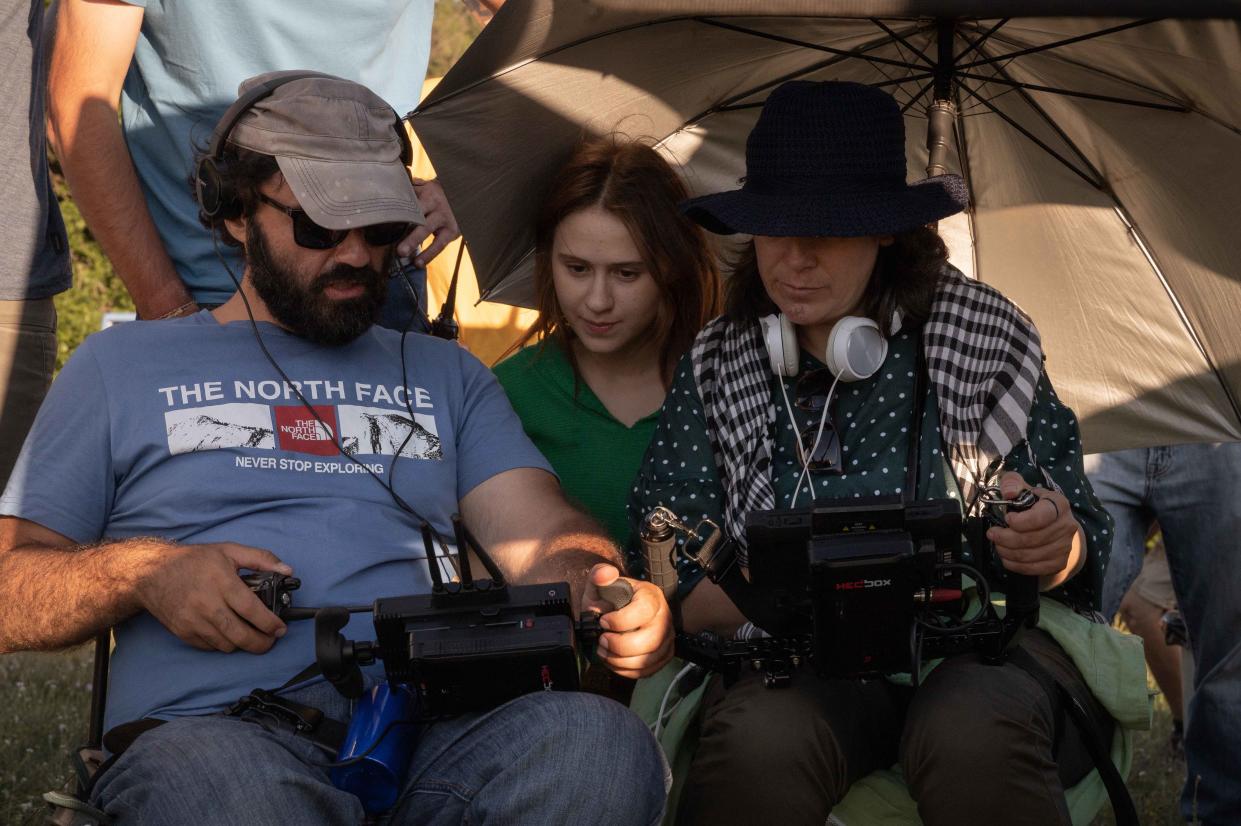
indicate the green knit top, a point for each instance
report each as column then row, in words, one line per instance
column 595, row 455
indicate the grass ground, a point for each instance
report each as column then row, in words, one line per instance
column 1157, row 776
column 44, row 701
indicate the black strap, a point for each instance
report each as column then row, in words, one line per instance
column 722, row 569
column 306, row 721
column 312, row 670
column 1060, row 696
column 123, row 736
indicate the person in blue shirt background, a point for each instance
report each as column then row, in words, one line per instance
column 169, row 69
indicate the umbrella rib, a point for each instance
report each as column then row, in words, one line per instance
column 895, row 36
column 1097, row 184
column 1003, row 72
column 1063, row 58
column 900, row 40
column 978, row 43
column 779, row 38
column 921, row 92
column 1134, row 231
column 1059, row 43
column 1184, row 105
column 1140, row 239
column 900, row 80
column 1167, row 107
column 727, row 105
column 535, row 58
column 1055, row 127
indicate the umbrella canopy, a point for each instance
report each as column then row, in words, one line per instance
column 1101, row 143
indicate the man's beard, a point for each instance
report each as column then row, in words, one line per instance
column 303, row 309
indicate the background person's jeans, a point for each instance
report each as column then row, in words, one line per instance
column 1195, row 493
column 27, row 358
column 545, row 758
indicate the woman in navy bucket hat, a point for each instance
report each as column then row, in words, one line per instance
column 846, row 333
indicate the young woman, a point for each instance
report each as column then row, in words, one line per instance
column 807, row 389
column 624, row 284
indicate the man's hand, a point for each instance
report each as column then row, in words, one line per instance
column 639, row 637
column 196, row 593
column 440, row 222
column 1043, row 541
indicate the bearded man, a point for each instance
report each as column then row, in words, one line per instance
column 265, row 435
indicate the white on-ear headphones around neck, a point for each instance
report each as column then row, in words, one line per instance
column 855, row 349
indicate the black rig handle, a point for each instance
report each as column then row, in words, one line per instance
column 619, row 593
column 1021, row 591
column 335, row 654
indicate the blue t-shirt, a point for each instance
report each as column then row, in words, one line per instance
column 190, row 57
column 204, row 443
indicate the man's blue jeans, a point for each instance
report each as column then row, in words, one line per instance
column 1195, row 493
column 545, row 758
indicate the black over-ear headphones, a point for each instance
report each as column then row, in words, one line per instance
column 216, row 197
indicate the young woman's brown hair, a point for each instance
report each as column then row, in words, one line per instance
column 632, row 181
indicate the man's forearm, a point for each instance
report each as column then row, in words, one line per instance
column 105, row 187
column 91, row 54
column 522, row 518
column 567, row 553
column 571, row 555
column 52, row 598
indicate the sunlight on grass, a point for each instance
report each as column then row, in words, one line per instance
column 44, row 702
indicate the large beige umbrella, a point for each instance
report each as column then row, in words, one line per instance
column 1101, row 153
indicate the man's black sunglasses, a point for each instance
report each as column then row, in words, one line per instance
column 310, row 235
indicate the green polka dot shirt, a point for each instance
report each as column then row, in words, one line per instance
column 872, row 417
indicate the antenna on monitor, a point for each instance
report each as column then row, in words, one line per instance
column 463, row 552
column 428, row 542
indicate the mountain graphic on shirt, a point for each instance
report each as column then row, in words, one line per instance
column 361, row 430
column 384, row 433
column 206, row 432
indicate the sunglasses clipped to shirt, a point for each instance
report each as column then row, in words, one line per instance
column 310, row 235
column 812, row 396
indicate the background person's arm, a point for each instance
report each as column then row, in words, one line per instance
column 532, row 532
column 55, row 593
column 93, row 47
column 483, row 10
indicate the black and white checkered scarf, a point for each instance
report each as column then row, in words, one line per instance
column 983, row 359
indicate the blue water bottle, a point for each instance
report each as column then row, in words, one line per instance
column 382, row 729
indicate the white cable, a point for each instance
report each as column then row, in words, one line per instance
column 806, row 457
column 663, row 704
column 801, row 448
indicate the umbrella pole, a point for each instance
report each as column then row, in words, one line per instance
column 942, row 113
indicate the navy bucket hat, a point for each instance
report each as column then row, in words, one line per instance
column 828, row 159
